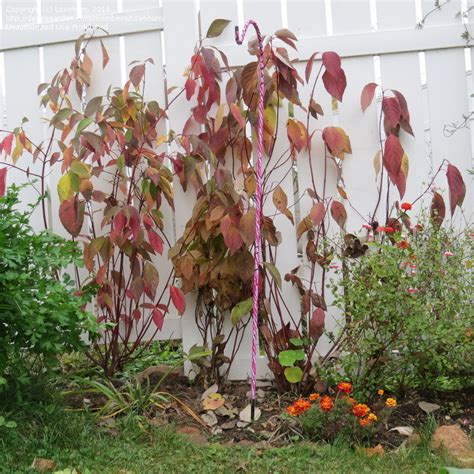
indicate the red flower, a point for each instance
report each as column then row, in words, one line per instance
column 389, row 230
column 345, row 387
column 403, row 244
column 406, row 206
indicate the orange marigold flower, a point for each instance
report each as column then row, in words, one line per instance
column 406, row 206
column 292, row 410
column 380, row 391
column 302, row 404
column 360, row 410
column 326, row 403
column 313, row 396
column 345, row 387
column 391, row 402
column 364, row 422
column 372, row 417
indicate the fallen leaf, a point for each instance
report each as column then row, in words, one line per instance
column 212, row 389
column 369, row 452
column 428, row 407
column 213, row 401
column 403, row 430
column 209, row 418
column 42, row 464
column 246, row 414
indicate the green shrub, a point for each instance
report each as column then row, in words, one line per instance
column 408, row 312
column 40, row 316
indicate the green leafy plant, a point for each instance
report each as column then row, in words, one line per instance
column 5, row 423
column 408, row 307
column 41, row 314
column 135, row 398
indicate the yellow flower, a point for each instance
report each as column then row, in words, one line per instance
column 380, row 391
column 391, row 402
column 372, row 417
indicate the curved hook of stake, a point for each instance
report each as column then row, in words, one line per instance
column 258, row 210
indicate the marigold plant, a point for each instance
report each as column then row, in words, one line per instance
column 325, row 417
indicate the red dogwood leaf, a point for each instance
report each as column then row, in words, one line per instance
column 457, row 188
column 158, row 318
column 190, row 87
column 438, row 209
column 3, row 181
column 237, row 114
column 136, row 74
column 133, row 221
column 332, row 62
column 178, row 298
column 7, row 143
column 316, row 324
column 232, row 237
column 392, row 113
column 335, row 84
column 405, row 114
column 297, row 134
column 337, row 141
column 155, row 241
column 150, row 280
column 71, row 214
column 317, row 213
column 367, row 95
column 392, row 157
column 309, row 66
column 338, row 213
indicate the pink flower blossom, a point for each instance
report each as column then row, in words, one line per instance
column 413, row 290
column 334, row 266
column 367, row 226
column 448, row 254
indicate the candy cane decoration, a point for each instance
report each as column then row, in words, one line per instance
column 258, row 210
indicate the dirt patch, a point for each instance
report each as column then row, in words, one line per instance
column 223, row 425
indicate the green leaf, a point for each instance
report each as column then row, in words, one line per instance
column 216, row 28
column 240, row 309
column 65, row 187
column 296, row 341
column 83, row 124
column 288, row 358
column 293, row 374
column 80, row 169
column 274, row 273
column 61, row 115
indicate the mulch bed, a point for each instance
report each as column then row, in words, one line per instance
column 272, row 429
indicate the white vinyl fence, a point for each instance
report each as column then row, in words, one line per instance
column 377, row 40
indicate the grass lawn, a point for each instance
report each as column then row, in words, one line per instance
column 75, row 440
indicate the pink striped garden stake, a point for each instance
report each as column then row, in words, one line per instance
column 258, row 210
